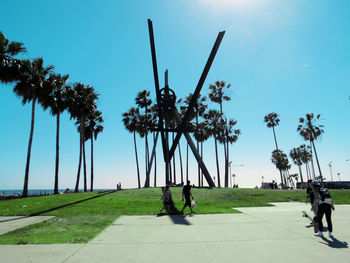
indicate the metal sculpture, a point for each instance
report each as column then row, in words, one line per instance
column 166, row 99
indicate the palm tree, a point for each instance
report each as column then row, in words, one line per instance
column 201, row 134
column 31, row 88
column 217, row 95
column 272, row 121
column 229, row 136
column 310, row 131
column 296, row 155
column 199, row 111
column 306, row 156
column 213, row 117
column 81, row 104
column 10, row 68
column 93, row 128
column 55, row 99
column 131, row 122
column 143, row 102
column 280, row 160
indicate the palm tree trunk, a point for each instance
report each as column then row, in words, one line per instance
column 318, row 164
column 146, row 156
column 187, row 163
column 79, row 166
column 84, row 162
column 307, row 171
column 226, row 163
column 92, row 163
column 57, row 152
column 217, row 161
column 198, row 168
column 301, row 175
column 202, row 179
column 174, row 168
column 137, row 161
column 182, row 178
column 155, row 162
column 274, row 135
column 26, row 175
column 312, row 162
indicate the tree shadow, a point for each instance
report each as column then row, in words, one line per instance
column 56, row 208
column 334, row 243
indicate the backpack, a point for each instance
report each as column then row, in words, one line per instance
column 325, row 196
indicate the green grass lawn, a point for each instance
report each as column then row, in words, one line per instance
column 80, row 217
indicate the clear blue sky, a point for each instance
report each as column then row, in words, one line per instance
column 290, row 57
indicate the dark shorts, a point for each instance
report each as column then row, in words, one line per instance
column 187, row 201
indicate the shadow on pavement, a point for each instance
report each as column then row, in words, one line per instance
column 334, row 243
column 56, row 208
column 179, row 220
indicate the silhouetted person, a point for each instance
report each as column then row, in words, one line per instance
column 314, row 197
column 325, row 207
column 186, row 192
column 166, row 198
column 310, row 195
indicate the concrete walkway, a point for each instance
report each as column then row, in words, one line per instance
column 264, row 234
column 10, row 223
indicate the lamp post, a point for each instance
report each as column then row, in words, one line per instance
column 234, row 177
column 339, row 176
column 330, row 167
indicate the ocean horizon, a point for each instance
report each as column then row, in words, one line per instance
column 41, row 191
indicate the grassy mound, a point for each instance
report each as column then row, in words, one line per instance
column 80, row 217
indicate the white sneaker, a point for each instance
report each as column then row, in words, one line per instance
column 319, row 234
column 330, row 234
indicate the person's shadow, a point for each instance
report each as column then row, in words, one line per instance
column 334, row 243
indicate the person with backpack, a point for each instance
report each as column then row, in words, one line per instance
column 325, row 207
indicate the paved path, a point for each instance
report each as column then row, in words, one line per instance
column 10, row 223
column 264, row 234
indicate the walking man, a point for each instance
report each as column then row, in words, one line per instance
column 186, row 192
column 325, row 207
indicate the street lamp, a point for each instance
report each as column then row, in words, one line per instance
column 339, row 176
column 230, row 164
column 330, row 167
column 234, row 181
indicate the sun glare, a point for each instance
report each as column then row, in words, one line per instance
column 239, row 4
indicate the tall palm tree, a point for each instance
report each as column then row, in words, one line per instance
column 81, row 104
column 10, row 68
column 198, row 112
column 296, row 156
column 213, row 117
column 131, row 122
column 310, row 130
column 55, row 99
column 143, row 101
column 93, row 128
column 30, row 88
column 306, row 157
column 217, row 95
column 280, row 160
column 272, row 121
column 201, row 134
column 228, row 136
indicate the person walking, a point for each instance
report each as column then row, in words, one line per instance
column 310, row 195
column 186, row 192
column 325, row 207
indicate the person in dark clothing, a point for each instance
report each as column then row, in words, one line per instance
column 186, row 192
column 309, row 192
column 325, row 207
